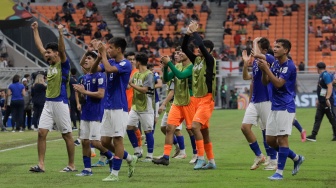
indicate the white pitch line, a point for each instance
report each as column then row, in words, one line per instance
column 19, row 147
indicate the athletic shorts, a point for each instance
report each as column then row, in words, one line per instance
column 57, row 113
column 279, row 123
column 90, row 130
column 146, row 120
column 204, row 107
column 114, row 123
column 178, row 114
column 164, row 121
column 257, row 113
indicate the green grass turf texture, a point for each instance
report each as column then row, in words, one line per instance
column 232, row 154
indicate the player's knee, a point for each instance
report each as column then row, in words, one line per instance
column 42, row 133
column 245, row 128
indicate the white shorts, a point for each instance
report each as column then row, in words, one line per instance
column 164, row 121
column 55, row 112
column 146, row 120
column 257, row 113
column 157, row 106
column 90, row 130
column 114, row 123
column 279, row 123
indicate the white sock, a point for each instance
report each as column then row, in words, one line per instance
column 129, row 158
column 279, row 171
column 200, row 157
column 182, row 152
column 93, row 150
column 296, row 158
column 115, row 172
column 102, row 158
column 137, row 150
column 150, row 155
column 88, row 169
column 212, row 161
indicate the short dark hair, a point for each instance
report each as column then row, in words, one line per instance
column 264, row 43
column 142, row 58
column 16, row 78
column 285, row 43
column 53, row 46
column 119, row 42
column 129, row 54
column 149, row 66
column 73, row 71
column 26, row 75
column 321, row 65
column 93, row 54
column 208, row 44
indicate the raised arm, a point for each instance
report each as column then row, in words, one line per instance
column 37, row 39
column 277, row 82
column 108, row 68
column 256, row 50
column 186, row 50
column 199, row 42
column 167, row 75
column 186, row 73
column 246, row 59
column 61, row 45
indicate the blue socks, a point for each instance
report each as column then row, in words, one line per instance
column 180, row 140
column 87, row 161
column 150, row 142
column 193, row 144
column 125, row 155
column 271, row 152
column 282, row 157
column 297, row 125
column 132, row 137
column 174, row 140
column 116, row 163
column 108, row 155
column 291, row 154
column 255, row 148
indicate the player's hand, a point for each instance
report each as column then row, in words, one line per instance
column 262, row 64
column 95, row 44
column 79, row 107
column 193, row 26
column 257, row 39
column 60, row 28
column 328, row 103
column 161, row 109
column 246, row 58
column 165, row 59
column 79, row 87
column 101, row 48
column 34, row 25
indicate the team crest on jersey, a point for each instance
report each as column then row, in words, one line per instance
column 94, row 81
column 123, row 63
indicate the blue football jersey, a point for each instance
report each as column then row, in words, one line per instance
column 93, row 108
column 117, row 85
column 283, row 98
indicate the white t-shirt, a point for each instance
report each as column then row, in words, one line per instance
column 3, row 64
column 167, row 4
